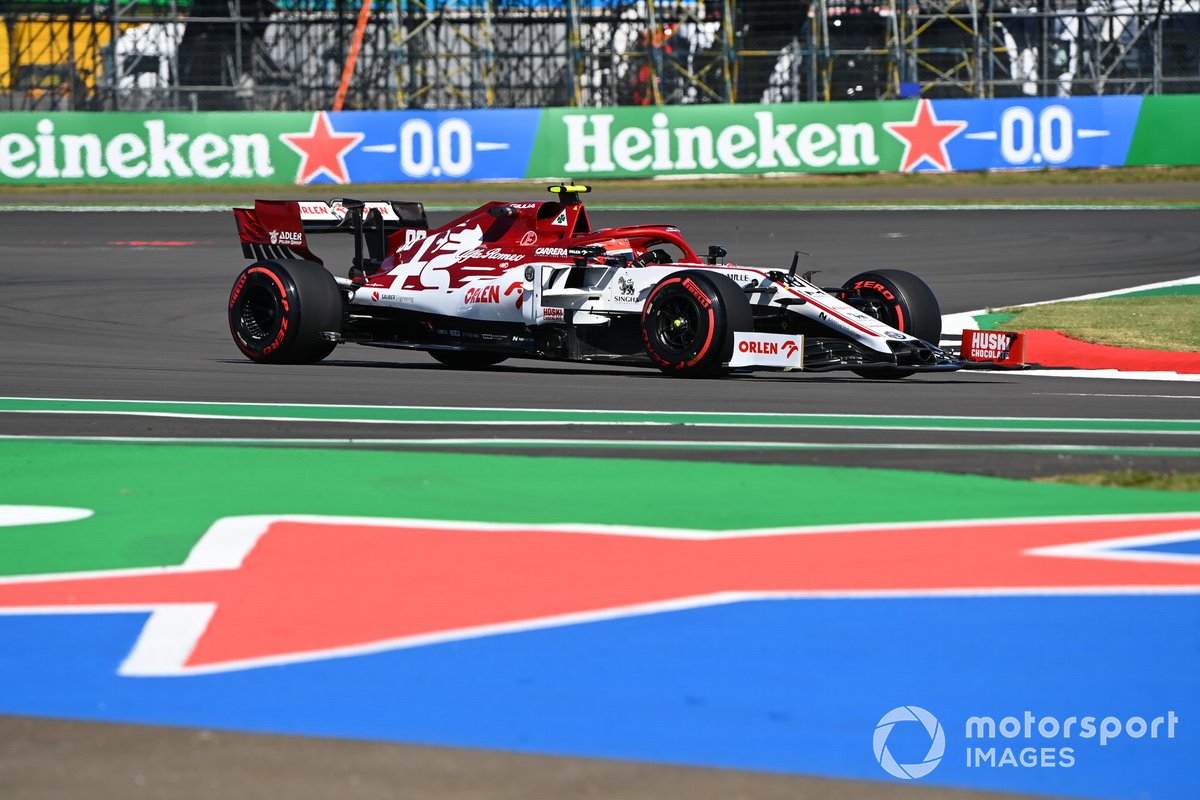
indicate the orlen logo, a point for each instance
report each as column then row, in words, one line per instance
column 484, row 294
column 287, row 237
column 768, row 348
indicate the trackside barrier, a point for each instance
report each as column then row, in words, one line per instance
column 488, row 144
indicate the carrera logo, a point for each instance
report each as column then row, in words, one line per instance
column 286, row 237
column 560, row 252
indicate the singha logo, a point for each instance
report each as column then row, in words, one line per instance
column 626, row 286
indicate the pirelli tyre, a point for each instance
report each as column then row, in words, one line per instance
column 689, row 320
column 279, row 311
column 901, row 300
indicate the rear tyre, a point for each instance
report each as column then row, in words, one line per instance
column 278, row 311
column 689, row 320
column 466, row 359
column 902, row 300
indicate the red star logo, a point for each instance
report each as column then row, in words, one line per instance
column 258, row 591
column 925, row 138
column 321, row 150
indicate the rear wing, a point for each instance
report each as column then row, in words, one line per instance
column 280, row 228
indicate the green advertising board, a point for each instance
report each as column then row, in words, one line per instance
column 1167, row 132
column 355, row 147
column 739, row 139
column 113, row 147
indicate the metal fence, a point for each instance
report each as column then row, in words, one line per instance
column 290, row 54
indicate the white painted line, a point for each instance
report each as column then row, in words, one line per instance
column 1126, row 396
column 616, row 444
column 171, row 634
column 541, row 410
column 1109, row 374
column 40, row 515
column 585, row 423
column 119, row 209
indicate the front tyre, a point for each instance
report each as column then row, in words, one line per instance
column 689, row 320
column 903, row 301
column 278, row 311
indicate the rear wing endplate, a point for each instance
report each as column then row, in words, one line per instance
column 276, row 229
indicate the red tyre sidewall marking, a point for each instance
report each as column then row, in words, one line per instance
column 283, row 321
column 646, row 336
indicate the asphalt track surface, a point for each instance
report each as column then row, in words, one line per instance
column 131, row 306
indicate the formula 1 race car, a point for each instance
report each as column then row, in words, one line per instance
column 534, row 280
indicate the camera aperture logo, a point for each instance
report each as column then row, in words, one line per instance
column 1050, row 741
column 903, row 715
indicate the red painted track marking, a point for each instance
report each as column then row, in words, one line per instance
column 1053, row 349
column 306, row 587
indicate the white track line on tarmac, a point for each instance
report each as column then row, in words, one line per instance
column 639, row 444
column 585, row 423
column 1124, row 396
column 1110, row 374
column 666, row 415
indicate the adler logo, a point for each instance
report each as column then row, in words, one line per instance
column 151, row 152
column 286, row 237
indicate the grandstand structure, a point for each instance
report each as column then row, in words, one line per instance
column 449, row 54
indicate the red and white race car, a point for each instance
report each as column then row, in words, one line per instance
column 535, row 280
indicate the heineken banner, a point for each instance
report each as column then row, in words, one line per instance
column 407, row 146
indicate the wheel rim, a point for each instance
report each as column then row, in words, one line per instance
column 883, row 312
column 258, row 312
column 677, row 324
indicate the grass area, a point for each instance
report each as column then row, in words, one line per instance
column 1133, row 479
column 801, row 183
column 1150, row 323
